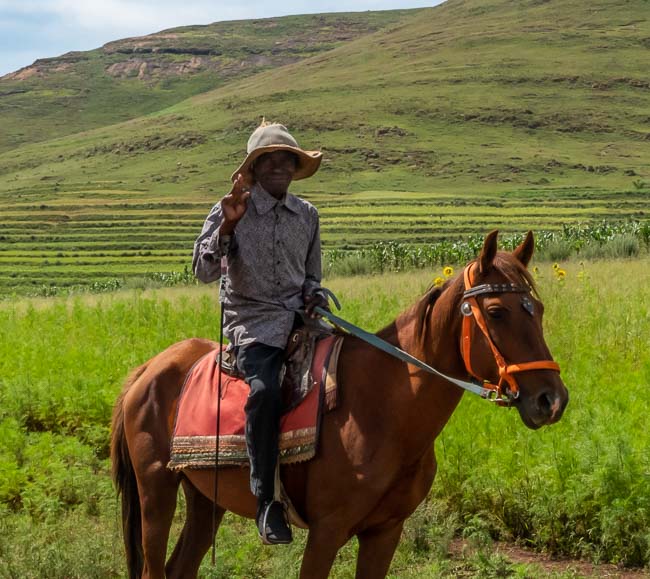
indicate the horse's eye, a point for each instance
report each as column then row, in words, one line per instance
column 496, row 312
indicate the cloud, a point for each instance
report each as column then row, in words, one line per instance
column 126, row 16
column 153, row 15
column 141, row 16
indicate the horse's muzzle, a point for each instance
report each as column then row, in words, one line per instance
column 544, row 407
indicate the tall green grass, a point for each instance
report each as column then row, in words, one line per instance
column 578, row 488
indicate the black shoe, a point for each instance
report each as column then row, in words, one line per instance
column 272, row 524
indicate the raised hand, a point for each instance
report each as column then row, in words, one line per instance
column 234, row 205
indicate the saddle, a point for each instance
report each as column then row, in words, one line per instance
column 193, row 441
column 296, row 375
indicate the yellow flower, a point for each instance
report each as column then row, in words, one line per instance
column 556, row 266
column 448, row 271
column 438, row 281
column 561, row 274
column 536, row 270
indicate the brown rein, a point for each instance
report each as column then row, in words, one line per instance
column 471, row 310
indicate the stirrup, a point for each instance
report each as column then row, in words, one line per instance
column 273, row 527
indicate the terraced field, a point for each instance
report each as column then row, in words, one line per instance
column 98, row 234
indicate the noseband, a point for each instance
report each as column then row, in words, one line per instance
column 507, row 389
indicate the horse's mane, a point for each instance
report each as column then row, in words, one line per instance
column 514, row 270
column 423, row 308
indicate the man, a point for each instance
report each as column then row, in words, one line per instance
column 272, row 242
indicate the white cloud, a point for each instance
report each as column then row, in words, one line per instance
column 142, row 16
column 139, row 16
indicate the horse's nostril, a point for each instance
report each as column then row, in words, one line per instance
column 545, row 402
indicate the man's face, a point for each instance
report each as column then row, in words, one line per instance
column 274, row 171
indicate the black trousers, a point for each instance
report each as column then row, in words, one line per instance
column 261, row 365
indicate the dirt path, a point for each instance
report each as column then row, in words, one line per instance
column 549, row 565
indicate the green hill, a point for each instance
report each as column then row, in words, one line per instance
column 135, row 76
column 461, row 118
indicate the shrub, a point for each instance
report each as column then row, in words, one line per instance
column 556, row 250
column 625, row 245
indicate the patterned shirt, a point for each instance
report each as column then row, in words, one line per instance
column 274, row 261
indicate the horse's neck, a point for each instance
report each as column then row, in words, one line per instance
column 427, row 401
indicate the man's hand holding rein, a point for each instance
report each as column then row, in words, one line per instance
column 315, row 300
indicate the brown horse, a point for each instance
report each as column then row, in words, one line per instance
column 376, row 459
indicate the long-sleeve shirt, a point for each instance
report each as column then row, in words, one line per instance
column 274, row 261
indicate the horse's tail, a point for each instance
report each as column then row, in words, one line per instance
column 125, row 482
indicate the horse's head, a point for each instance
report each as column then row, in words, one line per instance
column 502, row 338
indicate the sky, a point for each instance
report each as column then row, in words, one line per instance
column 31, row 29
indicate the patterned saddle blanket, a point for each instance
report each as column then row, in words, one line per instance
column 194, row 438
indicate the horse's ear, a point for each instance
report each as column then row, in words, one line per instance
column 525, row 250
column 488, row 252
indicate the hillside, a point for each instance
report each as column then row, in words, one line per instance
column 128, row 78
column 464, row 117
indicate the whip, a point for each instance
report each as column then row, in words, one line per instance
column 222, row 296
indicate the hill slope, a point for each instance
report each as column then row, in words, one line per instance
column 135, row 76
column 465, row 117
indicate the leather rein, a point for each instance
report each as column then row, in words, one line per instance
column 507, row 388
column 503, row 393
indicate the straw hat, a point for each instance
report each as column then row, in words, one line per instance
column 269, row 137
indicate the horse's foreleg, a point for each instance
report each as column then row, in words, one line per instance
column 196, row 537
column 376, row 549
column 323, row 543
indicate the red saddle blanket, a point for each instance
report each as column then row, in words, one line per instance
column 193, row 441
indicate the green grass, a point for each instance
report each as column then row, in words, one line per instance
column 579, row 488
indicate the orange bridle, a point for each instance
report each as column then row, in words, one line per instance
column 471, row 310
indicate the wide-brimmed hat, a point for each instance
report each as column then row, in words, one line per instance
column 275, row 137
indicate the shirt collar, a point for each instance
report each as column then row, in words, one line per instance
column 264, row 201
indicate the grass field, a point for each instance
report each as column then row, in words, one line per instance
column 579, row 488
